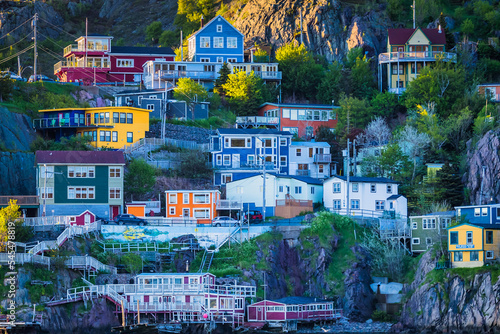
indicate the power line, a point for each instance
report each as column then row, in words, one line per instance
column 51, row 40
column 60, row 29
column 15, row 55
column 7, row 34
column 50, row 52
column 15, row 43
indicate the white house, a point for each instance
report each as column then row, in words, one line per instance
column 249, row 190
column 310, row 159
column 368, row 196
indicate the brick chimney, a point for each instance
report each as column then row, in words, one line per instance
column 202, row 22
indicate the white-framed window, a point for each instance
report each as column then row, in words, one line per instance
column 239, row 303
column 321, row 169
column 232, row 60
column 283, row 141
column 124, row 63
column 428, row 241
column 204, row 42
column 280, row 189
column 292, row 130
column 226, row 178
column 298, row 152
column 312, row 190
column 429, row 223
column 81, row 192
column 355, row 187
column 389, row 188
column 218, row 159
column 474, row 256
column 219, row 28
column 379, row 205
column 490, row 255
column 130, row 137
column 49, row 172
column 201, row 198
column 298, row 190
column 201, row 213
column 458, row 256
column 220, row 59
column 49, row 192
column 477, row 212
column 336, row 187
column 115, row 136
column 283, row 161
column 218, row 42
column 415, row 241
column 445, row 222
column 232, row 42
column 115, row 172
column 172, row 198
column 227, row 159
column 484, row 212
column 337, row 204
column 205, row 60
column 115, row 193
column 185, row 198
column 469, row 238
column 172, row 210
column 414, row 225
column 150, row 107
column 251, row 159
column 373, row 188
column 81, row 172
column 355, row 204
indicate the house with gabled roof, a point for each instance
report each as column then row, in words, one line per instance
column 408, row 52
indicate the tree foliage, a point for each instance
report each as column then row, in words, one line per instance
column 332, row 85
column 222, row 79
column 246, row 93
column 8, row 215
column 153, row 32
column 195, row 165
column 139, row 178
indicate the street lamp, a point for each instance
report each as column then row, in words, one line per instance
column 22, row 71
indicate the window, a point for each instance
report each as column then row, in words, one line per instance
column 150, row 107
column 115, row 136
column 204, row 42
column 123, row 117
column 49, row 172
column 218, row 160
column 219, row 28
column 458, row 256
column 312, row 190
column 125, row 63
column 445, row 222
column 231, row 60
column 283, row 141
column 414, row 225
column 336, row 204
column 201, row 213
column 373, row 188
column 201, row 198
column 489, row 237
column 94, row 135
column 106, row 117
column 172, row 210
column 96, row 118
column 81, row 192
column 354, row 203
column 227, row 160
column 251, row 159
column 395, row 69
column 429, row 223
column 379, row 205
column 484, row 211
column 116, row 117
column 474, row 256
column 298, row 152
column 185, row 198
column 205, row 60
column 115, row 193
column 283, row 161
column 336, row 187
column 115, row 172
column 130, row 137
column 172, row 198
column 220, row 59
column 453, row 238
column 415, row 241
column 232, row 42
column 237, row 142
column 477, row 212
column 389, row 189
column 298, row 190
column 428, row 241
column 469, row 237
column 490, row 255
column 321, row 169
column 130, row 118
column 48, row 193
column 355, row 187
column 81, row 172
column 102, row 135
column 108, row 136
column 280, row 189
column 226, row 178
column 139, row 100
column 218, row 42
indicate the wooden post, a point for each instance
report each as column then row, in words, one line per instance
column 138, row 313
column 123, row 315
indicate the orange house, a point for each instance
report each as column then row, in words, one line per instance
column 192, row 204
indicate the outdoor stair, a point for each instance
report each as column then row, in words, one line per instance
column 208, row 255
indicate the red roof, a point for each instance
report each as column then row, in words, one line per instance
column 79, row 157
column 402, row 35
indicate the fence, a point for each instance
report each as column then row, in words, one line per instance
column 154, row 143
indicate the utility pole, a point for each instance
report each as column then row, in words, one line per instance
column 348, row 172
column 263, row 190
column 413, row 16
column 182, row 52
column 44, row 189
column 36, row 51
column 19, row 65
column 301, row 38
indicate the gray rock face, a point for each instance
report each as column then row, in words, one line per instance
column 180, row 132
column 484, row 156
column 16, row 131
column 19, row 169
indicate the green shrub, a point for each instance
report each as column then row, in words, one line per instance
column 381, row 316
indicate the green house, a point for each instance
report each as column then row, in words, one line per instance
column 429, row 229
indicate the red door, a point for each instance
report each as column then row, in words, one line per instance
column 260, row 313
column 115, row 211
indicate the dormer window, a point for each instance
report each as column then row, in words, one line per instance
column 219, row 28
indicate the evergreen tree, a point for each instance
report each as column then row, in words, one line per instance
column 140, row 177
column 222, row 79
column 451, row 187
column 450, row 41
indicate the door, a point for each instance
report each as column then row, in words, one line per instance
column 260, row 313
column 115, row 211
column 236, row 161
column 60, row 119
column 87, row 219
column 185, row 213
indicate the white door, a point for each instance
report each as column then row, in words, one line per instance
column 87, row 219
column 236, row 161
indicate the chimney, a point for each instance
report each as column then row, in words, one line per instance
column 201, row 22
column 439, row 27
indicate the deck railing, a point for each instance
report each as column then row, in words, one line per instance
column 303, row 172
column 21, row 200
column 153, row 143
column 76, row 48
column 416, row 56
column 257, row 120
column 293, row 202
column 225, row 204
column 102, row 64
column 322, row 158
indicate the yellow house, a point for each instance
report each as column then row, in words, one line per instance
column 473, row 245
column 410, row 50
column 113, row 127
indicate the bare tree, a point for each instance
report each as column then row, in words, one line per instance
column 377, row 133
column 443, row 82
column 413, row 143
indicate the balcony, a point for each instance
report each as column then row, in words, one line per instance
column 201, row 75
column 390, row 57
column 225, row 204
column 20, row 200
column 256, row 121
column 97, row 65
column 248, row 166
column 397, row 91
column 74, row 48
column 272, row 75
column 303, row 172
column 55, row 123
column 322, row 158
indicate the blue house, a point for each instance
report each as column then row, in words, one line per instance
column 239, row 153
column 151, row 99
column 217, row 41
column 479, row 214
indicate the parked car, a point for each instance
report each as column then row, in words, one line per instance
column 40, row 77
column 12, row 75
column 224, row 221
column 255, row 216
column 129, row 219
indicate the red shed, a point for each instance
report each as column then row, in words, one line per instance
column 84, row 218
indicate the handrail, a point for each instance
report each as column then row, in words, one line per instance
column 416, row 55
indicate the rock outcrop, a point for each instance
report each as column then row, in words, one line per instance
column 484, row 169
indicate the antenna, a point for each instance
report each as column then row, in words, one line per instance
column 413, row 6
column 36, row 51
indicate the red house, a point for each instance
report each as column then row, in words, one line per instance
column 300, row 119
column 292, row 309
column 94, row 60
column 84, row 218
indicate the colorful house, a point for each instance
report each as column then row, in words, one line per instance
column 409, row 51
column 429, row 229
column 311, row 159
column 300, row 119
column 192, row 204
column 93, row 60
column 72, row 182
column 238, row 153
column 473, row 244
column 479, row 214
column 112, row 127
column 492, row 89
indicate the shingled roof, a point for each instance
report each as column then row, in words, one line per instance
column 79, row 157
column 402, row 35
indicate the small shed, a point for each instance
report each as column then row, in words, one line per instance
column 388, row 296
column 136, row 209
column 84, row 218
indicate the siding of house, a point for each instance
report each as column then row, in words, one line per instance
column 465, row 248
column 420, row 235
column 180, row 205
